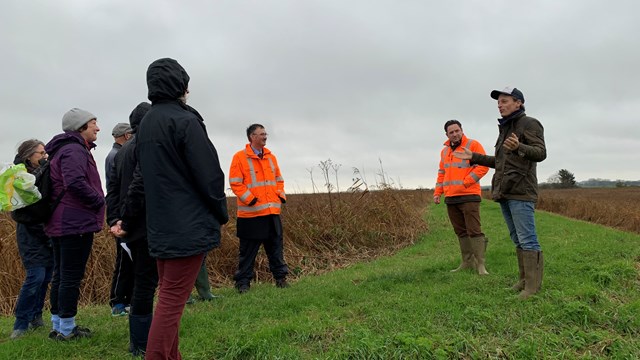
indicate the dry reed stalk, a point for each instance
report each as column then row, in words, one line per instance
column 364, row 226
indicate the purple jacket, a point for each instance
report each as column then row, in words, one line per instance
column 73, row 168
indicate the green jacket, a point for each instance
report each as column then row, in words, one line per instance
column 515, row 172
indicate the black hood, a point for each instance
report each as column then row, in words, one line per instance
column 166, row 80
column 17, row 160
column 137, row 114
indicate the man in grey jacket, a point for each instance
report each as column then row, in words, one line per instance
column 515, row 184
column 122, row 278
column 121, row 134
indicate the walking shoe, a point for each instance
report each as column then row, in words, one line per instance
column 119, row 310
column 138, row 353
column 282, row 283
column 17, row 333
column 242, row 288
column 53, row 334
column 191, row 300
column 36, row 323
column 77, row 333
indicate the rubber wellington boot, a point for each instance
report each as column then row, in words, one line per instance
column 533, row 269
column 202, row 284
column 468, row 260
column 479, row 247
column 519, row 286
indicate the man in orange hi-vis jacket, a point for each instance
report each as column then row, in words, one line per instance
column 256, row 180
column 460, row 183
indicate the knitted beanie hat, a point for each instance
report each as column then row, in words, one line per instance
column 75, row 118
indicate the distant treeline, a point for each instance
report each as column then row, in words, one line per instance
column 607, row 183
column 591, row 183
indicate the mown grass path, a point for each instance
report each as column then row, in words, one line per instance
column 409, row 306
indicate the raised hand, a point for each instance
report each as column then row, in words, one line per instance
column 465, row 155
column 511, row 143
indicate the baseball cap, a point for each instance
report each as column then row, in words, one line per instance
column 511, row 91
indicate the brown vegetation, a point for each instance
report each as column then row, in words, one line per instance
column 321, row 232
column 614, row 207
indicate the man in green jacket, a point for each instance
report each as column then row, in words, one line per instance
column 514, row 184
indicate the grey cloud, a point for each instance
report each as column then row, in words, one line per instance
column 352, row 81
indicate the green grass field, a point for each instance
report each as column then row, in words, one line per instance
column 409, row 306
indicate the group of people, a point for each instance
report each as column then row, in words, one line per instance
column 165, row 204
column 463, row 162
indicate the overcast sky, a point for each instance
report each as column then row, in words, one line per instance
column 357, row 82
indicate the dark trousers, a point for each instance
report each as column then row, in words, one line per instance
column 273, row 246
column 176, row 278
column 465, row 218
column 145, row 278
column 70, row 255
column 122, row 279
column 31, row 297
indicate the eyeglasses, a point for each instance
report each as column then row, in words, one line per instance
column 261, row 134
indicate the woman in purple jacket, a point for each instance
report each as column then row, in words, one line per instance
column 77, row 217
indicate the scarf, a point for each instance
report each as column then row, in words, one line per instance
column 510, row 117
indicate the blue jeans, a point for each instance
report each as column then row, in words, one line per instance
column 31, row 297
column 522, row 227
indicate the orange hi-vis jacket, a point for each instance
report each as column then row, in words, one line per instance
column 251, row 177
column 456, row 177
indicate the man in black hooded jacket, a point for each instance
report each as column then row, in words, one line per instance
column 184, row 196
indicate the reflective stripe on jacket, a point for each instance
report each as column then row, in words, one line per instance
column 251, row 177
column 456, row 177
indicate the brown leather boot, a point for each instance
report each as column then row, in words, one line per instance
column 479, row 247
column 519, row 286
column 533, row 269
column 468, row 260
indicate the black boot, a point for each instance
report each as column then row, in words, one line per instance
column 282, row 283
column 138, row 333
